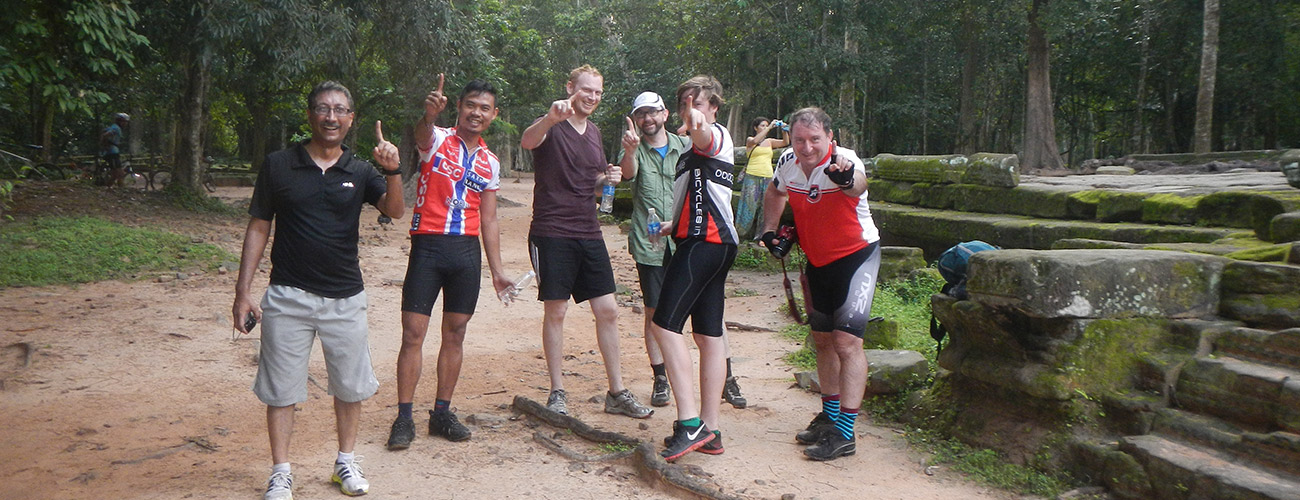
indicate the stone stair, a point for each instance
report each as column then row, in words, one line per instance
column 1230, row 430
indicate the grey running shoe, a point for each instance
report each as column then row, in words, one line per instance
column 445, row 424
column 624, row 402
column 832, row 446
column 821, row 424
column 558, row 402
column 401, row 435
column 661, row 393
column 350, row 479
column 685, row 440
column 279, row 487
column 731, row 393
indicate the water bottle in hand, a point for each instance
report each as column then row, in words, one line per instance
column 607, row 198
column 509, row 294
column 652, row 227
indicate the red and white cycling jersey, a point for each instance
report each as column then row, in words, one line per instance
column 830, row 223
column 452, row 180
column 702, row 191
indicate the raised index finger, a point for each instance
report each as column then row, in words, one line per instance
column 630, row 126
column 379, row 131
column 440, row 79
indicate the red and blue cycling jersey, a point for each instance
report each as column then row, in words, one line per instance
column 452, row 180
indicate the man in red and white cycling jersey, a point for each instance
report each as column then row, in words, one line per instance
column 826, row 187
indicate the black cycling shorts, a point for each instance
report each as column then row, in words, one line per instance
column 695, row 285
column 442, row 262
column 842, row 291
column 568, row 267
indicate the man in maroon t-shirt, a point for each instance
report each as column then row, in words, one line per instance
column 565, row 241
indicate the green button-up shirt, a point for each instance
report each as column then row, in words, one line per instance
column 653, row 188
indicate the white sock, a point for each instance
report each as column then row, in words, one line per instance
column 345, row 457
column 281, row 467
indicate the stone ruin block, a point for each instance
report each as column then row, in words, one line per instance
column 1097, row 283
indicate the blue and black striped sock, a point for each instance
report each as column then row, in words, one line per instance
column 441, row 405
column 848, row 417
column 831, row 406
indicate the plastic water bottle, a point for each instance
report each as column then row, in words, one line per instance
column 607, row 197
column 509, row 294
column 652, row 227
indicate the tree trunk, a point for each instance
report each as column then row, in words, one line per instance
column 1041, row 152
column 46, row 140
column 1144, row 65
column 189, row 153
column 1202, row 137
column 848, row 133
column 967, row 121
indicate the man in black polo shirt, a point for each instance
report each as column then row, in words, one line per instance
column 314, row 191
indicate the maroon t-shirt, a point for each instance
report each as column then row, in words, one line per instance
column 566, row 165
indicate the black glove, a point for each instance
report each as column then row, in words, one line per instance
column 844, row 178
column 770, row 241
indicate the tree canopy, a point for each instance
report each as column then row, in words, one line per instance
column 898, row 76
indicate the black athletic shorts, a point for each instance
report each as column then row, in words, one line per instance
column 568, row 267
column 442, row 262
column 652, row 280
column 842, row 291
column 695, row 285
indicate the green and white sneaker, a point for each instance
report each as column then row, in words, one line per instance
column 279, row 487
column 352, row 482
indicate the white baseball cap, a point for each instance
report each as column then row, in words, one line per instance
column 648, row 99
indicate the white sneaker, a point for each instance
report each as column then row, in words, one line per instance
column 279, row 487
column 350, row 479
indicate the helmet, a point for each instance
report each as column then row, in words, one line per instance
column 121, row 117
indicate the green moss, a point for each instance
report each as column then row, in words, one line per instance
column 1271, row 253
column 1170, row 209
column 1106, row 358
column 1116, row 206
column 1090, row 197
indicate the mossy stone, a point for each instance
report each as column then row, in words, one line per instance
column 1285, row 227
column 1119, row 206
column 1170, row 209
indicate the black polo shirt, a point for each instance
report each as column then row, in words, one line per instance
column 317, row 215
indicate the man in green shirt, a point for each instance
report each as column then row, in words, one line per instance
column 650, row 156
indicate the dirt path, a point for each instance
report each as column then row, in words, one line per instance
column 137, row 390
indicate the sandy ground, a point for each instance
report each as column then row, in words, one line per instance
column 137, row 389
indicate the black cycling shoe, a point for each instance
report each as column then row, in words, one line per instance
column 401, row 435
column 832, row 446
column 445, row 424
column 820, row 425
column 731, row 393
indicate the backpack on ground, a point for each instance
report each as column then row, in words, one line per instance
column 952, row 265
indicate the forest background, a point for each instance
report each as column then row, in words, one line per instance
column 228, row 78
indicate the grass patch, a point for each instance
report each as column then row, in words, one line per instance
column 987, row 466
column 615, row 447
column 58, row 250
column 751, row 258
column 743, row 292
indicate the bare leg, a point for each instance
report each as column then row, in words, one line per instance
column 553, row 339
column 451, row 352
column 606, row 311
column 410, row 359
column 853, row 369
column 677, row 362
column 828, row 362
column 347, row 416
column 652, row 344
column 713, row 373
column 279, row 427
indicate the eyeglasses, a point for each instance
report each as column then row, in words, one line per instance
column 324, row 110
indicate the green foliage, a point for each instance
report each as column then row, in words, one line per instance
column 987, row 467
column 57, row 250
column 616, row 447
column 6, row 196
